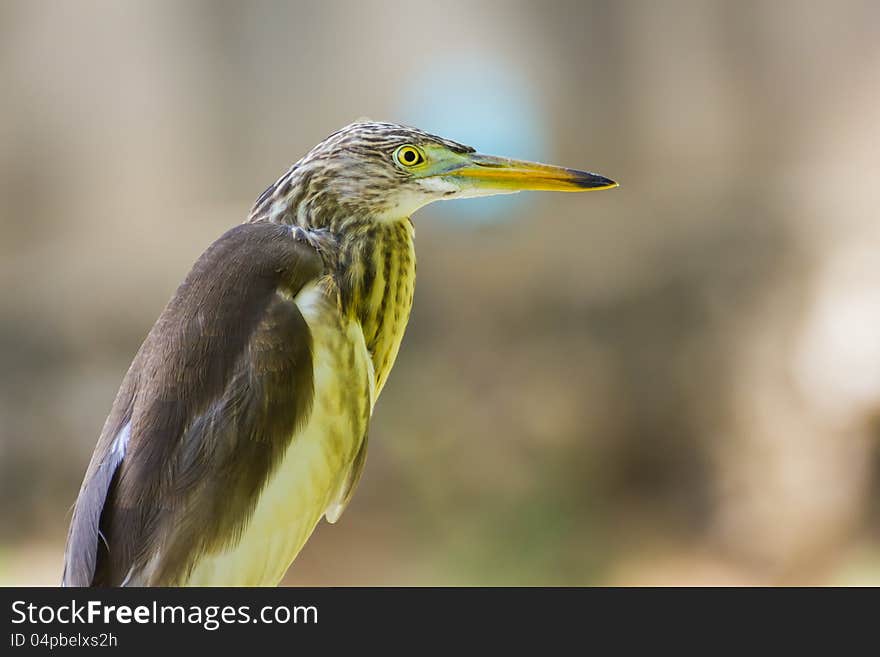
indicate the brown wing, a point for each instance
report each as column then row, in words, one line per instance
column 203, row 415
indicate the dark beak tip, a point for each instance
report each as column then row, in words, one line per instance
column 588, row 180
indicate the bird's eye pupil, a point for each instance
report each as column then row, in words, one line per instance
column 409, row 156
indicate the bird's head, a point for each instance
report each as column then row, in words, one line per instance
column 384, row 171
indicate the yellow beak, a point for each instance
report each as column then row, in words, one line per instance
column 500, row 174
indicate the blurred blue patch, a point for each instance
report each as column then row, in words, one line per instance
column 491, row 108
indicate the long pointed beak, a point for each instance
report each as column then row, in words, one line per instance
column 500, row 174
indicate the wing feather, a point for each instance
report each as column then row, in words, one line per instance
column 201, row 400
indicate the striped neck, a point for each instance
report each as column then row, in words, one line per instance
column 376, row 282
column 292, row 199
column 303, row 197
column 373, row 264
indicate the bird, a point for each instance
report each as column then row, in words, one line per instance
column 243, row 418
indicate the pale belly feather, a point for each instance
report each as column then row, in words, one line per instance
column 318, row 458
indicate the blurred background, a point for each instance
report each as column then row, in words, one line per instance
column 675, row 382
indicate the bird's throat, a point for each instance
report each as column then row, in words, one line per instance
column 375, row 277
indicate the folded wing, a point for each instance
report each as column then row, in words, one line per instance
column 203, row 416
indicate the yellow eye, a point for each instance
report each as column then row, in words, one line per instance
column 409, row 156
